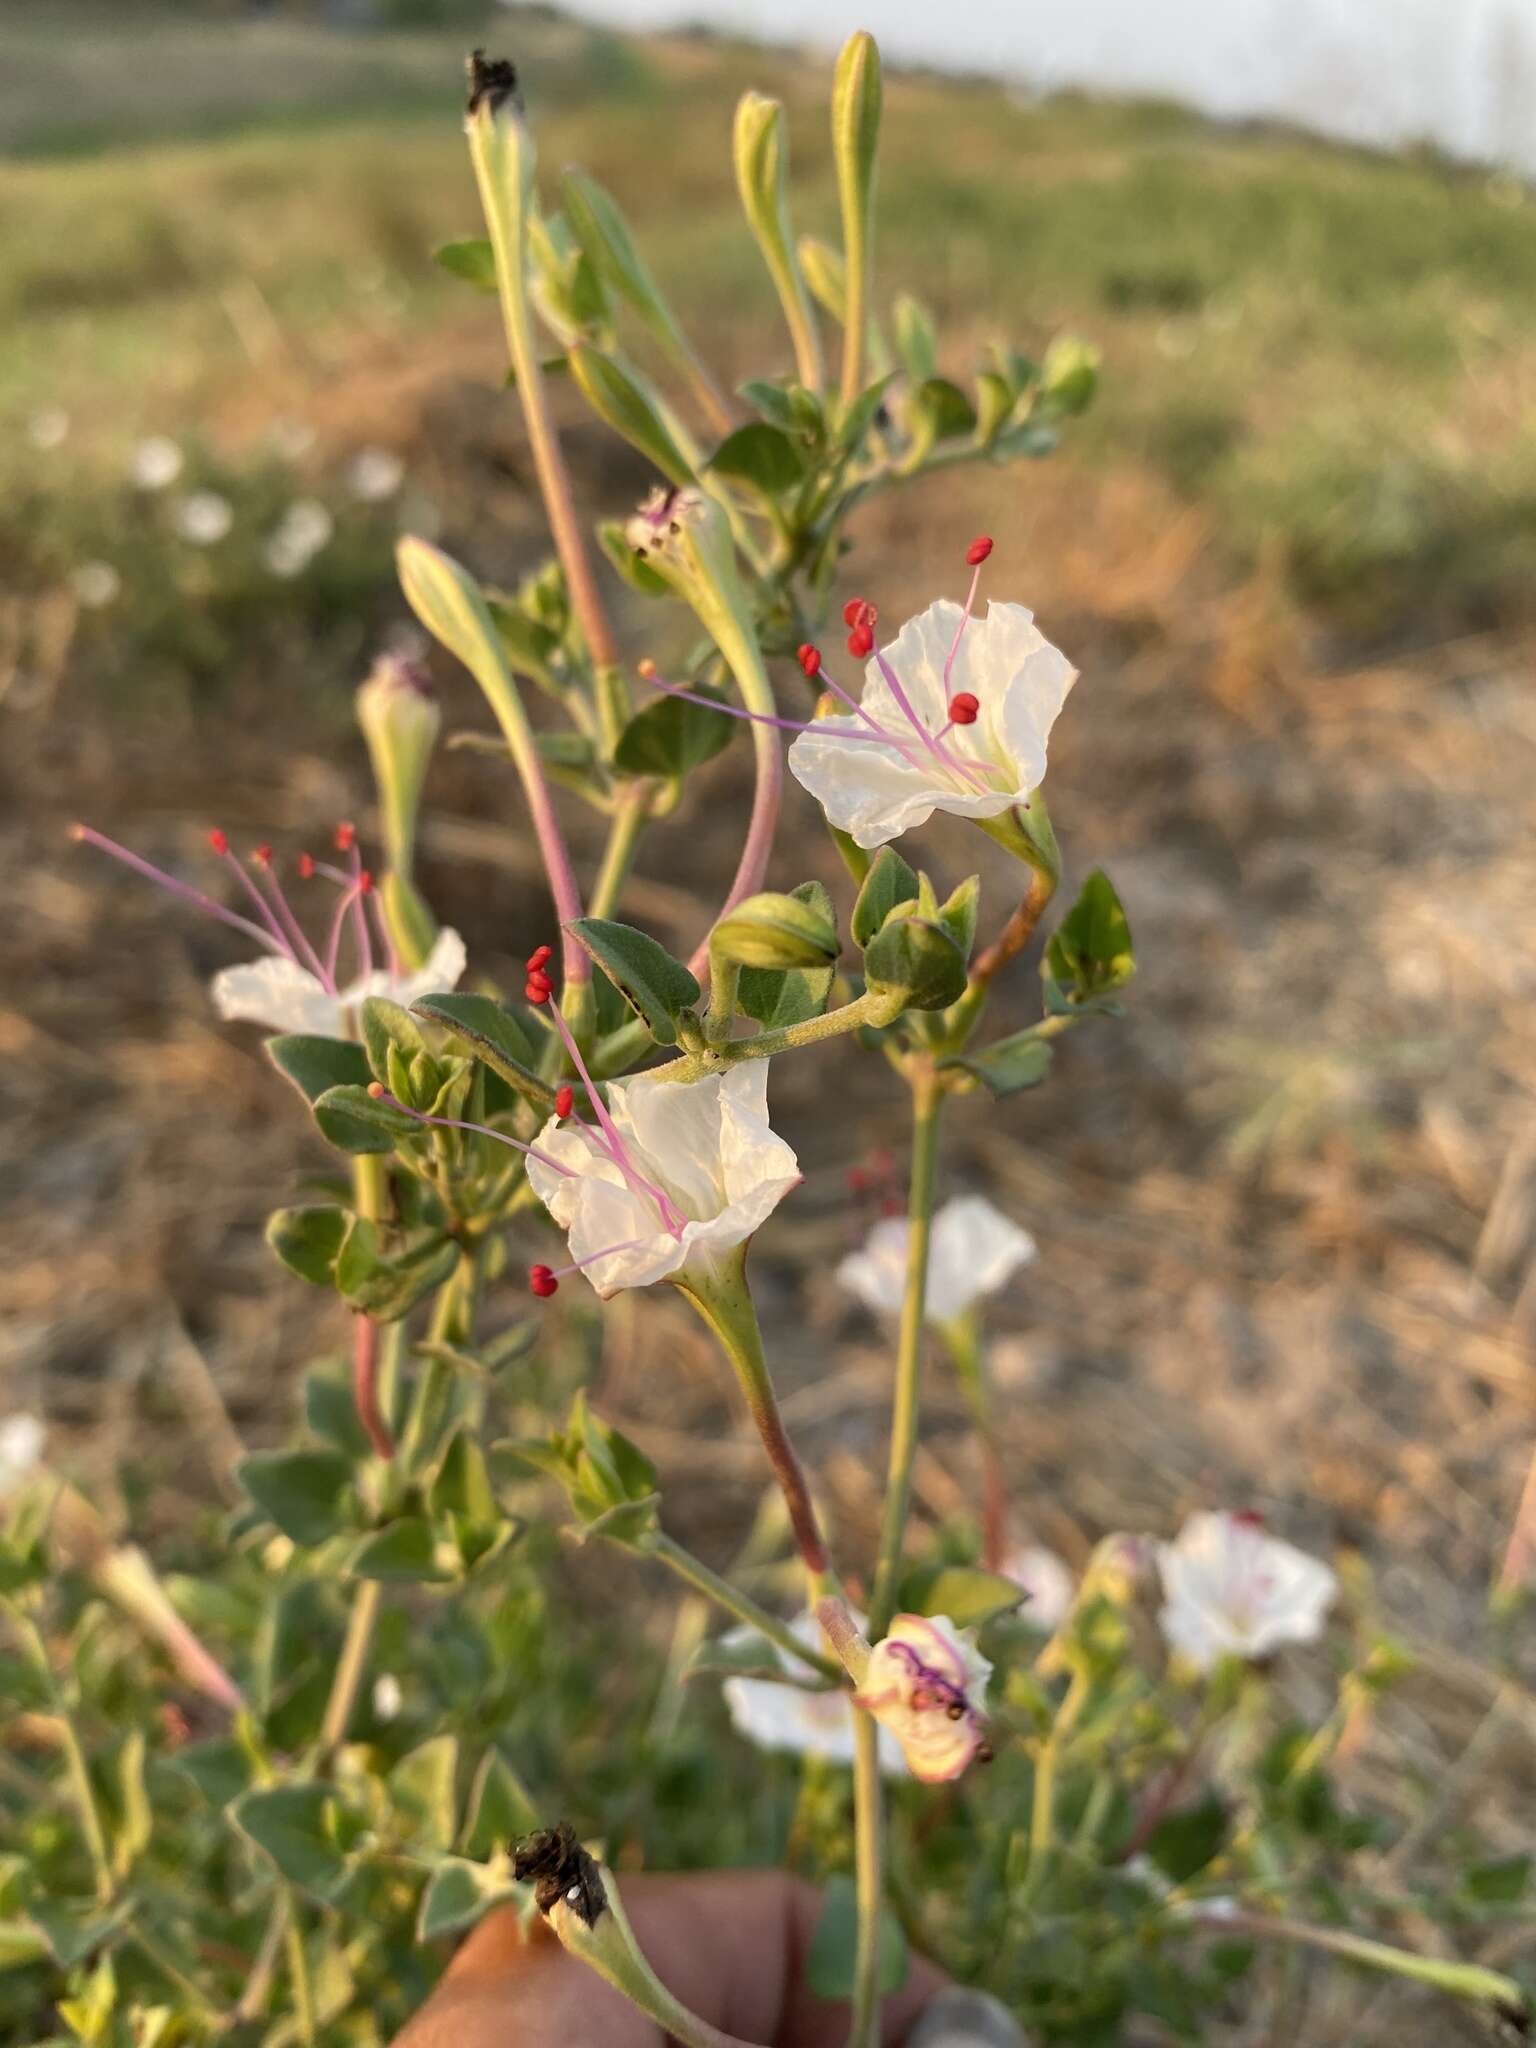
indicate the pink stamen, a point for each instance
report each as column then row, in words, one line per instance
column 221, row 847
column 298, row 942
column 338, row 925
column 90, row 837
column 762, row 717
column 940, row 754
column 629, row 1244
column 965, row 618
column 362, row 884
column 452, row 1123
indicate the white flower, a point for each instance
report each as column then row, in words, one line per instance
column 688, row 1171
column 21, row 1449
column 155, row 463
column 304, row 529
column 1232, row 1590
column 48, row 427
column 203, row 518
column 786, row 1717
column 924, row 1681
column 375, row 474
column 387, row 1696
column 284, row 996
column 1047, row 1581
column 290, row 437
column 96, row 584
column 973, row 1251
column 877, row 788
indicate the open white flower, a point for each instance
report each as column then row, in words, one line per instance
column 21, row 1450
column 924, row 1682
column 1047, row 1582
column 973, row 1251
column 788, row 1718
column 1232, row 1590
column 286, row 996
column 671, row 1175
column 955, row 716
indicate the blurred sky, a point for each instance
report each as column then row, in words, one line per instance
column 1458, row 73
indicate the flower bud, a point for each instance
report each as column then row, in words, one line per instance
column 399, row 715
column 771, row 930
column 917, row 960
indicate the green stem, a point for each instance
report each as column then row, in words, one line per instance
column 149, row 1947
column 876, row 1008
column 721, row 1296
column 927, row 1101
column 1042, row 1818
column 298, row 1972
column 724, row 978
column 869, row 1852
column 734, row 1601
column 350, row 1665
column 76, row 1768
column 1461, row 1980
column 628, row 823
column 962, row 1339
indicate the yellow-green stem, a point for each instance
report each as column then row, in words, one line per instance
column 927, row 1102
column 350, row 1665
column 618, row 855
column 298, row 1972
column 698, row 1575
column 869, row 1880
column 1042, row 1819
column 76, row 1768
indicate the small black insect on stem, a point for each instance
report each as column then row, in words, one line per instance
column 492, row 82
column 557, row 1866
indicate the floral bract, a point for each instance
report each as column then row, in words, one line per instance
column 1232, row 1590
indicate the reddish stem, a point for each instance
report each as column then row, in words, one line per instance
column 365, row 1385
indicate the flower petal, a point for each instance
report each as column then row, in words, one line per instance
column 280, row 994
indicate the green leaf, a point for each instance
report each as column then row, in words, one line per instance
column 220, row 1768
column 917, row 959
column 305, row 1493
column 458, row 1894
column 916, row 343
column 958, row 913
column 824, row 273
column 1010, row 1066
column 968, row 1595
column 423, row 1792
column 491, row 1033
column 672, row 736
column 352, row 1120
column 889, row 882
column 385, row 1025
column 70, row 1936
column 994, row 404
column 1501, row 1882
column 855, row 422
column 1069, row 376
column 610, row 248
column 330, row 1409
column 21, row 1943
column 829, row 1964
column 1090, row 951
column 619, row 400
column 307, row 1240
column 1184, row 1843
column 938, row 411
column 384, row 1273
column 294, row 1826
column 500, row 1807
column 402, row 1553
column 771, row 400
column 528, row 644
column 473, row 261
column 638, row 574
column 776, row 931
column 761, row 456
column 462, row 1485
column 315, row 1064
column 657, row 987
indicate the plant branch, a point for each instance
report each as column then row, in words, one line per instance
column 698, row 1575
column 869, row 1860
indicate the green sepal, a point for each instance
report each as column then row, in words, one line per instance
column 305, row 1493
column 889, row 881
column 772, row 930
column 918, row 960
column 618, row 399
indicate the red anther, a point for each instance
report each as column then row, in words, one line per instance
column 1248, row 1518
column 538, row 991
column 565, row 1100
column 262, row 855
column 537, row 958
column 306, row 867
column 964, row 708
column 858, row 1181
column 646, row 668
column 540, row 978
column 809, row 657
column 375, row 1089
column 542, row 1282
column 218, row 840
column 365, row 883
column 858, row 611
column 860, row 640
column 978, row 550
column 346, row 838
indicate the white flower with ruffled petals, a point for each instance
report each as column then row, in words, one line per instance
column 973, row 1251
column 674, row 1175
column 1048, row 1584
column 925, row 1683
column 1230, row 1589
column 792, row 1720
column 286, row 996
column 907, row 754
column 21, row 1451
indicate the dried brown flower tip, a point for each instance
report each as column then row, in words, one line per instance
column 492, row 81
column 558, row 1868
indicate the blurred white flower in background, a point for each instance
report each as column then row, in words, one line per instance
column 203, row 518
column 1048, row 1582
column 155, row 463
column 375, row 474
column 291, row 438
column 792, row 1720
column 305, row 528
column 974, row 1250
column 1230, row 1589
column 48, row 427
column 21, row 1450
column 283, row 995
column 96, row 584
column 387, row 1696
